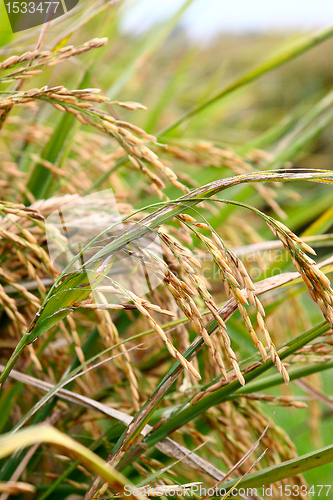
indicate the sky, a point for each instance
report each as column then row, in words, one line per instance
column 207, row 17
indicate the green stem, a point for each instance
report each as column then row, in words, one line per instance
column 284, row 470
column 277, row 379
column 12, row 361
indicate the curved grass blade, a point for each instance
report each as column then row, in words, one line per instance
column 167, row 446
column 176, row 207
column 57, row 305
column 286, row 55
column 286, row 469
column 48, row 434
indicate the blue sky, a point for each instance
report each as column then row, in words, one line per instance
column 206, row 17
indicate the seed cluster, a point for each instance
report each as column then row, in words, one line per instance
column 318, row 352
column 94, row 157
column 131, row 138
column 44, row 58
column 143, row 306
column 20, row 228
column 318, row 284
column 106, row 325
column 238, row 285
column 230, row 421
column 19, row 210
column 286, row 401
column 184, row 293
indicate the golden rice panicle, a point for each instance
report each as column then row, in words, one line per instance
column 141, row 305
column 189, row 307
column 38, row 59
column 182, row 295
column 215, row 354
column 285, row 401
column 229, row 278
column 20, row 210
column 112, row 338
column 154, row 160
column 239, row 285
column 317, row 282
column 132, row 139
column 197, row 322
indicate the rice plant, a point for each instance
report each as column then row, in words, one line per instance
column 147, row 281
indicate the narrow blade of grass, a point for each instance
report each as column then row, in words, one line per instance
column 286, row 469
column 277, row 60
